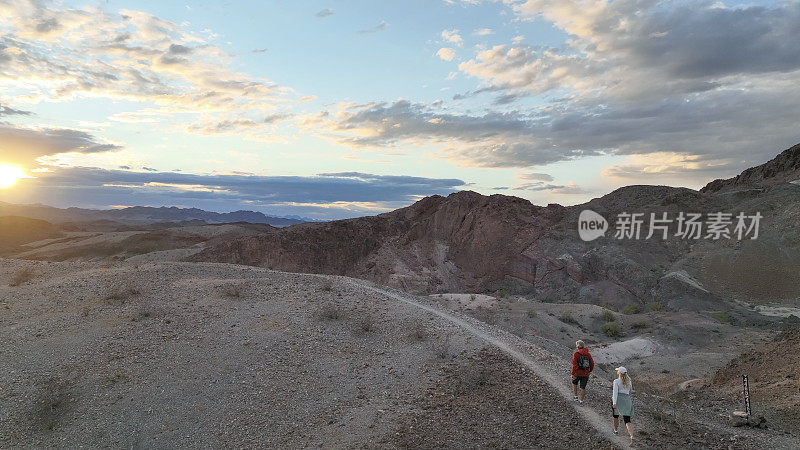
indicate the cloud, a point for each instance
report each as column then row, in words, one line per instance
column 326, row 195
column 260, row 50
column 533, row 176
column 8, row 111
column 327, row 12
column 23, row 145
column 61, row 54
column 483, row 32
column 715, row 85
column 452, row 37
column 490, row 140
column 446, row 53
column 558, row 189
column 379, row 27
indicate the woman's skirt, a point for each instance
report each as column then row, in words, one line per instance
column 624, row 405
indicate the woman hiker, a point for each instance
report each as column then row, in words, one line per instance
column 582, row 366
column 622, row 403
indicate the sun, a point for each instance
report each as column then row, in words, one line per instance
column 10, row 174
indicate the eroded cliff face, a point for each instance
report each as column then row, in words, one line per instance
column 459, row 242
column 467, row 242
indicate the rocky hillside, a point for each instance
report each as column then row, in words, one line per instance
column 782, row 169
column 15, row 231
column 774, row 375
column 468, row 242
column 463, row 241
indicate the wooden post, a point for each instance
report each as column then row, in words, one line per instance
column 746, row 391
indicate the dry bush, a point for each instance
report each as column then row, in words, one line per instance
column 418, row 332
column 327, row 285
column 22, row 276
column 366, row 324
column 231, row 291
column 119, row 294
column 330, row 311
column 441, row 347
column 566, row 317
column 50, row 404
column 611, row 329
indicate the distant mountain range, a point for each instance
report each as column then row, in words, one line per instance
column 143, row 214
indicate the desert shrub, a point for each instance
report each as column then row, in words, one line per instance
column 327, row 285
column 418, row 332
column 631, row 309
column 51, row 403
column 502, row 293
column 609, row 306
column 231, row 290
column 330, row 311
column 472, row 297
column 654, row 307
column 566, row 317
column 366, row 323
column 607, row 315
column 551, row 298
column 531, row 313
column 119, row 294
column 22, row 276
column 611, row 329
column 639, row 325
column 441, row 347
column 721, row 316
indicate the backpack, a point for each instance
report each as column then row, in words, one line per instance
column 583, row 362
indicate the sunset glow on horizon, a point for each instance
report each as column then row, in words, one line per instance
column 338, row 109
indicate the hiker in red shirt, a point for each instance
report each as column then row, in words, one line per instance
column 582, row 366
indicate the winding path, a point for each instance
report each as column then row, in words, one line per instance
column 512, row 346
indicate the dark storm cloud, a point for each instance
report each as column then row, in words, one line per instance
column 93, row 186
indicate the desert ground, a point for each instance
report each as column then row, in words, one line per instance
column 141, row 353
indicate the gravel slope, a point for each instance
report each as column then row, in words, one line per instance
column 160, row 355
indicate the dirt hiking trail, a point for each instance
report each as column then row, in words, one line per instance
column 520, row 351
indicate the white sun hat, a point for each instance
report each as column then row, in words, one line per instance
column 621, row 369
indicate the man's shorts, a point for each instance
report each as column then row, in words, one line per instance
column 581, row 380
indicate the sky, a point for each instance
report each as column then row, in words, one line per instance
column 336, row 108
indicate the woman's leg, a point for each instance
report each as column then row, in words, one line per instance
column 629, row 426
column 616, row 423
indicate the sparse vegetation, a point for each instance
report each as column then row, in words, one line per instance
column 551, row 298
column 531, row 313
column 607, row 315
column 119, row 294
column 611, row 329
column 566, row 317
column 330, row 312
column 231, row 290
column 327, row 285
column 441, row 347
column 639, row 325
column 654, row 307
column 418, row 332
column 51, row 403
column 502, row 293
column 721, row 316
column 22, row 276
column 631, row 309
column 366, row 323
